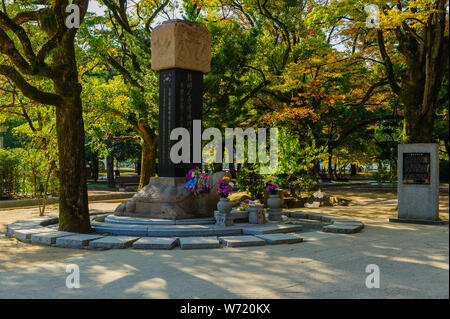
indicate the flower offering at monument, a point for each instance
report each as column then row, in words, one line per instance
column 225, row 187
column 198, row 182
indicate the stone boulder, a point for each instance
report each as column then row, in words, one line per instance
column 322, row 199
column 166, row 197
column 318, row 199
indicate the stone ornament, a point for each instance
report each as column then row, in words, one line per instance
column 223, row 219
column 224, row 205
column 181, row 44
column 256, row 214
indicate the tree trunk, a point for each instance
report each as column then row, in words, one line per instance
column 137, row 165
column 110, row 171
column 55, row 61
column 94, row 166
column 233, row 171
column 416, row 128
column 330, row 168
column 148, row 163
column 73, row 197
column 353, row 169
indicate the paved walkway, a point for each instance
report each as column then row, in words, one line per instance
column 413, row 262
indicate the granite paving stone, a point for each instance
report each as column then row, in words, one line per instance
column 120, row 229
column 76, row 241
column 113, row 242
column 241, row 241
column 270, row 229
column 49, row 238
column 156, row 243
column 274, row 239
column 342, row 229
column 137, row 220
column 25, row 234
column 192, row 231
column 199, row 242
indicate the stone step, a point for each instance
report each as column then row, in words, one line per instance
column 156, row 243
column 199, row 242
column 196, row 221
column 137, row 220
column 270, row 229
column 25, row 234
column 275, row 239
column 241, row 241
column 193, row 231
column 317, row 235
column 76, row 241
column 342, row 228
column 49, row 238
column 113, row 242
column 157, row 221
column 120, row 229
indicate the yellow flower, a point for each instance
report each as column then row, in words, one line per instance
column 225, row 178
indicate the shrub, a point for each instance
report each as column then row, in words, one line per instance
column 300, row 183
column 251, row 181
column 10, row 181
column 385, row 175
column 26, row 172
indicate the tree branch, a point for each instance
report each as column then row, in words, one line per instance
column 387, row 63
column 28, row 90
column 6, row 22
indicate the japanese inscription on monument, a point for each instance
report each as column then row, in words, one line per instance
column 416, row 168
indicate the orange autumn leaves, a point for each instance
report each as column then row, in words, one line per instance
column 308, row 105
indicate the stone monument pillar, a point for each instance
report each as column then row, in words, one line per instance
column 418, row 184
column 181, row 52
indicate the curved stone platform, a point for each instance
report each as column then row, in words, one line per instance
column 148, row 233
column 112, row 219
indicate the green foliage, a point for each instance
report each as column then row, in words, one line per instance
column 385, row 174
column 26, row 172
column 297, row 156
column 10, row 172
column 40, row 176
column 251, row 181
column 298, row 183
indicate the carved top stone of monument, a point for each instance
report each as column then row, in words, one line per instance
column 181, row 44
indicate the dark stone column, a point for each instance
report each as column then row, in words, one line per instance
column 180, row 102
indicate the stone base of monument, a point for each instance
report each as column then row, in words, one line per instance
column 418, row 221
column 274, row 214
column 166, row 197
column 223, row 219
column 237, row 216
